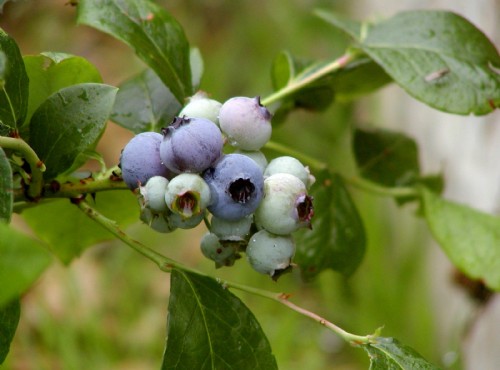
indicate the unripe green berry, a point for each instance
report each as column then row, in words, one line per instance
column 227, row 230
column 268, row 253
column 285, row 206
column 154, row 194
column 187, row 195
column 291, row 165
column 200, row 105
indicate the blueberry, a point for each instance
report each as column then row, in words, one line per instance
column 291, row 165
column 270, row 254
column 187, row 194
column 201, row 106
column 246, row 122
column 221, row 254
column 176, row 220
column 256, row 155
column 237, row 230
column 236, row 185
column 154, row 194
column 157, row 222
column 190, row 145
column 285, row 206
column 140, row 159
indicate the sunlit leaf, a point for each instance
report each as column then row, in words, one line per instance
column 50, row 72
column 337, row 240
column 390, row 354
column 210, row 328
column 69, row 122
column 470, row 238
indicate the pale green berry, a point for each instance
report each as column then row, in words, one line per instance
column 291, row 165
column 187, row 195
column 154, row 193
column 285, row 206
column 200, row 105
column 268, row 253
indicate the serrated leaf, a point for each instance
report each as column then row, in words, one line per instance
column 69, row 122
column 210, row 328
column 390, row 354
column 143, row 103
column 337, row 240
column 6, row 188
column 22, row 260
column 14, row 92
column 470, row 238
column 9, row 318
column 385, row 157
column 50, row 72
column 70, row 238
column 156, row 37
column 439, row 58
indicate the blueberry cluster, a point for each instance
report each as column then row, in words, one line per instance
column 184, row 175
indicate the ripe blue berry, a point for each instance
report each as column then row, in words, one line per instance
column 246, row 122
column 190, row 145
column 187, row 195
column 256, row 155
column 285, row 206
column 270, row 254
column 236, row 185
column 140, row 159
column 201, row 106
column 291, row 165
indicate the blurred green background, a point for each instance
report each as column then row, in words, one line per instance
column 107, row 310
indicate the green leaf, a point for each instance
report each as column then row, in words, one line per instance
column 6, row 187
column 197, row 67
column 156, row 37
column 469, row 238
column 14, row 92
column 385, row 157
column 390, row 354
column 143, row 103
column 50, row 72
column 3, row 68
column 351, row 27
column 22, row 260
column 337, row 240
column 69, row 239
column 69, row 122
column 9, row 318
column 358, row 78
column 210, row 328
column 288, row 70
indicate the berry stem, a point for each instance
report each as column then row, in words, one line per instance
column 303, row 79
column 374, row 188
column 36, row 165
column 283, row 299
column 304, row 158
column 166, row 264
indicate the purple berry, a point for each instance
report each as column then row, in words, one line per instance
column 246, row 122
column 190, row 145
column 236, row 186
column 140, row 159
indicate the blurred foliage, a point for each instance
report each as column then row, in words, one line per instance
column 108, row 308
